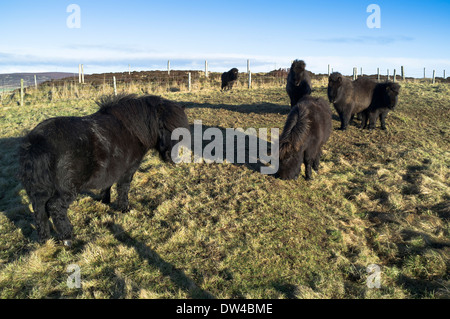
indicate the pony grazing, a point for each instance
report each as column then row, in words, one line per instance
column 307, row 128
column 63, row 156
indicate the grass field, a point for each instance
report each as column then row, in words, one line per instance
column 226, row 231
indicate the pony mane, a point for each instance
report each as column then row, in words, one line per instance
column 136, row 114
column 298, row 66
column 295, row 130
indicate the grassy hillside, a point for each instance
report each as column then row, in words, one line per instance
column 226, row 231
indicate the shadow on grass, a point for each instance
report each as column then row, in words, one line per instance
column 242, row 154
column 413, row 177
column 289, row 291
column 258, row 108
column 251, row 149
column 11, row 204
column 177, row 276
column 421, row 288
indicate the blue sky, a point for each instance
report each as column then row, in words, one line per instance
column 145, row 34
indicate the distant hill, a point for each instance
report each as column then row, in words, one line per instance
column 12, row 80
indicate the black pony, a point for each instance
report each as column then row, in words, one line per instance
column 385, row 99
column 65, row 155
column 349, row 97
column 298, row 82
column 307, row 129
column 229, row 78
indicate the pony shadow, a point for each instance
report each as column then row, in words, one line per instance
column 257, row 108
column 247, row 155
column 12, row 205
column 177, row 276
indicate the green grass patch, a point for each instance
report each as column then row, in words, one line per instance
column 226, row 231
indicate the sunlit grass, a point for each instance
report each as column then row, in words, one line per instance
column 226, row 231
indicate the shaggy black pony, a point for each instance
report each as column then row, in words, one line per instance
column 298, row 82
column 65, row 155
column 229, row 78
column 385, row 99
column 307, row 128
column 349, row 97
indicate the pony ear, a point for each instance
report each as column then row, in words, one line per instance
column 339, row 79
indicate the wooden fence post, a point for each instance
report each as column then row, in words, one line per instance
column 378, row 74
column 79, row 73
column 328, row 70
column 35, row 82
column 115, row 86
column 82, row 73
column 206, row 68
column 395, row 75
column 434, row 76
column 248, row 66
column 403, row 73
column 388, row 77
column 21, row 92
column 189, row 81
column 249, row 79
column 424, row 73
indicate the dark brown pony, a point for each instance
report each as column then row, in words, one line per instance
column 298, row 82
column 65, row 155
column 385, row 99
column 349, row 97
column 307, row 128
column 229, row 78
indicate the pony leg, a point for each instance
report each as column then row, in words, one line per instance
column 123, row 186
column 364, row 119
column 57, row 207
column 308, row 167
column 383, row 120
column 41, row 217
column 106, row 195
column 308, row 171
column 345, row 119
column 372, row 120
column 316, row 162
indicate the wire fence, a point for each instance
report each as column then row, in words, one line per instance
column 96, row 86
column 153, row 82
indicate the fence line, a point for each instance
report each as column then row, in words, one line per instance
column 71, row 89
column 29, row 91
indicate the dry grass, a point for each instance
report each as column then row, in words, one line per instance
column 226, row 231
